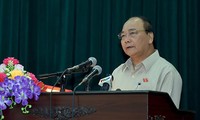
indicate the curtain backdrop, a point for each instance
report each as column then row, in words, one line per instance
column 51, row 35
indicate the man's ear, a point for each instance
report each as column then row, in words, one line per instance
column 151, row 36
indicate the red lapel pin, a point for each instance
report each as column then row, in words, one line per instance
column 145, row 80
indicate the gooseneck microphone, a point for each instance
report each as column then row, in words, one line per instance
column 81, row 68
column 96, row 70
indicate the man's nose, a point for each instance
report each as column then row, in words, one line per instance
column 127, row 38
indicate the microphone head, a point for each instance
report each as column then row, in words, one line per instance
column 107, row 79
column 93, row 60
column 98, row 68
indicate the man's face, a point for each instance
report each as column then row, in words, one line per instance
column 135, row 41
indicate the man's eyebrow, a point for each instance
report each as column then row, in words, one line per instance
column 132, row 29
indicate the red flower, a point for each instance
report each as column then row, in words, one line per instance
column 9, row 59
column 37, row 82
column 2, row 77
column 32, row 76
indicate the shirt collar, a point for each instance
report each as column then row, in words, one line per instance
column 148, row 62
column 127, row 65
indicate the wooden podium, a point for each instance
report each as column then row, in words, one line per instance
column 100, row 105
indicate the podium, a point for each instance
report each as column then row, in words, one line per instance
column 102, row 105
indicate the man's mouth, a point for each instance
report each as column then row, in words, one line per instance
column 129, row 47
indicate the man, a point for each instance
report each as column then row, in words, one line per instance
column 145, row 69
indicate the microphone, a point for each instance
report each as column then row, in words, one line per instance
column 81, row 68
column 106, row 83
column 96, row 70
column 91, row 62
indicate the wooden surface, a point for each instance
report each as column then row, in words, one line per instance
column 118, row 105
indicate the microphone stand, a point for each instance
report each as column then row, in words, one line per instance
column 57, row 74
column 88, row 86
column 63, row 79
column 62, row 83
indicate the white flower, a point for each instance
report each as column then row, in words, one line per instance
column 19, row 67
column 2, row 67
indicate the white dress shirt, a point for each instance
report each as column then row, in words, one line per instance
column 154, row 73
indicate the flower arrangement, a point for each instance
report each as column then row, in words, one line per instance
column 17, row 86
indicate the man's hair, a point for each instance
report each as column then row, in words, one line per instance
column 147, row 24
